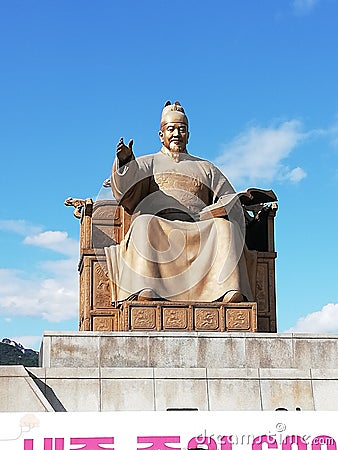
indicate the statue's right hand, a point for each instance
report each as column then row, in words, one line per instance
column 123, row 151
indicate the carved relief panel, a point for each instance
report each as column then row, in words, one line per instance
column 262, row 287
column 106, row 322
column 238, row 320
column 207, row 319
column 143, row 318
column 101, row 287
column 175, row 318
column 241, row 318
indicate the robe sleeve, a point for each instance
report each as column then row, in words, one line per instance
column 130, row 182
column 220, row 185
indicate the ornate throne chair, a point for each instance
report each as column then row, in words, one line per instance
column 104, row 222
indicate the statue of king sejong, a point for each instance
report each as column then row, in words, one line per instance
column 169, row 252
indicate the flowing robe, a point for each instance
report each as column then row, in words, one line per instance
column 167, row 250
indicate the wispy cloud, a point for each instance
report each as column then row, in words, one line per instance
column 296, row 174
column 21, row 227
column 258, row 154
column 54, row 240
column 302, row 7
column 323, row 321
column 54, row 296
column 332, row 132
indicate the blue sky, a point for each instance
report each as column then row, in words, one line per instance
column 258, row 81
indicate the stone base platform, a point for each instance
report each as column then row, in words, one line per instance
column 188, row 350
column 157, row 371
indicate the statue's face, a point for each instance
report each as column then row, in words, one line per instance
column 174, row 136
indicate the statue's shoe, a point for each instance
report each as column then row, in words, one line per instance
column 147, row 294
column 233, row 297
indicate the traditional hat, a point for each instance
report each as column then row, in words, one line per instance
column 173, row 113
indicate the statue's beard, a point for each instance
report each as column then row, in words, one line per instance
column 174, row 152
column 175, row 148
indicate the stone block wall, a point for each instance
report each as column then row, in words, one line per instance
column 157, row 371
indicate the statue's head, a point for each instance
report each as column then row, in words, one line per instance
column 174, row 132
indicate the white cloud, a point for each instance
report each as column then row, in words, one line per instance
column 296, row 174
column 54, row 296
column 256, row 155
column 54, row 240
column 303, row 6
column 333, row 133
column 57, row 241
column 323, row 321
column 21, row 227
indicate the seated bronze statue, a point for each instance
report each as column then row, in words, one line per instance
column 187, row 237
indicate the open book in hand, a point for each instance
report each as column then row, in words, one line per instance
column 249, row 197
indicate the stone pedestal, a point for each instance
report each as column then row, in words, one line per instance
column 189, row 350
column 157, row 371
